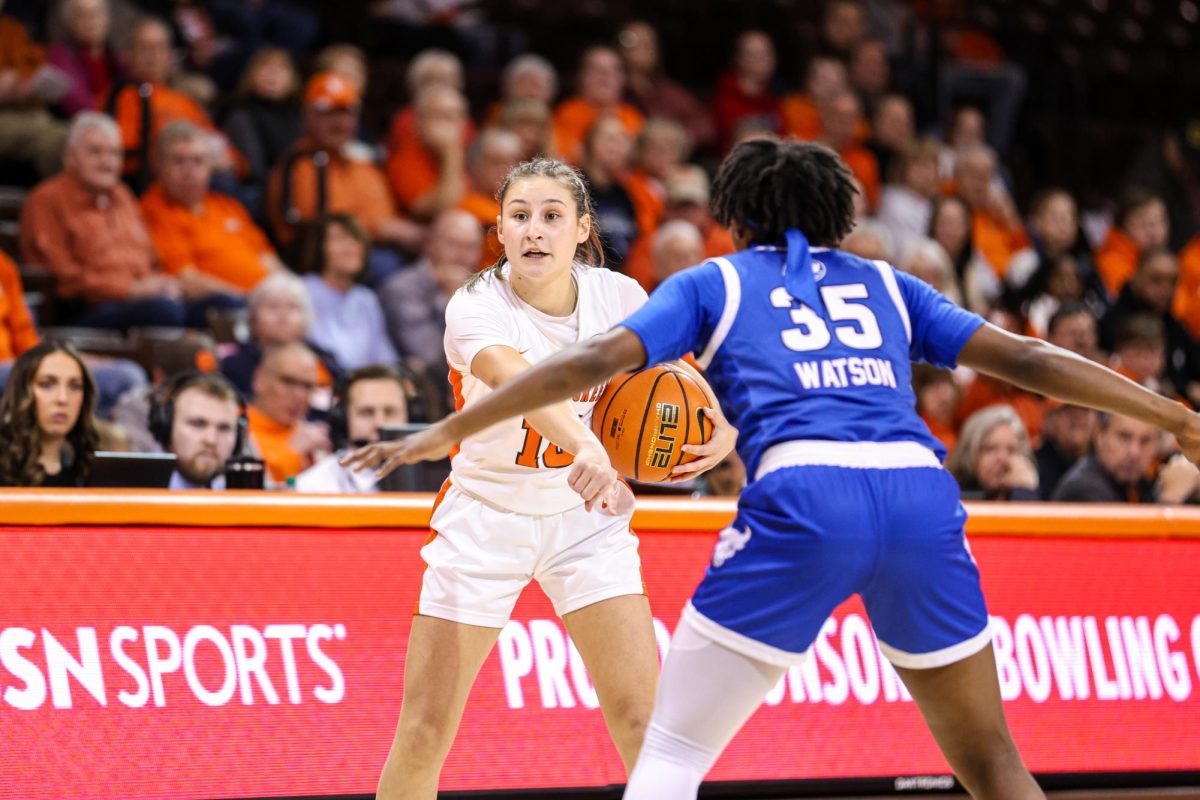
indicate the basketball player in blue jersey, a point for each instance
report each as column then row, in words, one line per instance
column 809, row 349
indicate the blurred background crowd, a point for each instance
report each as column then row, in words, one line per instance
column 231, row 227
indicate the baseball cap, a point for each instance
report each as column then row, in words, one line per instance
column 328, row 90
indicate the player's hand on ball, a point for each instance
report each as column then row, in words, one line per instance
column 723, row 439
column 427, row 445
column 592, row 475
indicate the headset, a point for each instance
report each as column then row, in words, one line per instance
column 161, row 420
column 339, row 423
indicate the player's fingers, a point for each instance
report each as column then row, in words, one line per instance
column 707, row 448
column 362, row 458
column 699, row 465
column 389, row 466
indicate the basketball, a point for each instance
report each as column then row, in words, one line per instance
column 644, row 418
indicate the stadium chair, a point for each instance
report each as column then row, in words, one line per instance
column 38, row 283
column 97, row 341
column 227, row 325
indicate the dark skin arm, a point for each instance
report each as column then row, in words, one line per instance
column 1028, row 363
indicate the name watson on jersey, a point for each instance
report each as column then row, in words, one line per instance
column 840, row 373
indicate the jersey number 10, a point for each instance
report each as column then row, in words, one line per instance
column 860, row 329
column 553, row 457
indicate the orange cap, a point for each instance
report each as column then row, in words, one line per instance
column 328, row 90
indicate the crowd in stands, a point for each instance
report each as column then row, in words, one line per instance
column 211, row 166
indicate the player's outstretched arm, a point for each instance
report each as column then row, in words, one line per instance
column 563, row 375
column 1043, row 368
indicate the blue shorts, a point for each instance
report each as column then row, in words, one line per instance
column 808, row 537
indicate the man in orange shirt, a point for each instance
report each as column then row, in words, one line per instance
column 427, row 167
column 489, row 159
column 996, row 226
column 824, row 79
column 840, row 116
column 320, row 175
column 205, row 239
column 283, row 386
column 601, row 85
column 149, row 60
column 86, row 227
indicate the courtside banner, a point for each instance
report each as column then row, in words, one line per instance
column 158, row 662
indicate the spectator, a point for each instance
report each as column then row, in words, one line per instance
column 427, row 166
column 840, row 115
column 745, row 91
column 824, row 78
column 606, row 155
column 205, row 239
column 431, row 68
column 414, row 300
column 265, row 118
column 345, row 60
column 1169, row 167
column 1140, row 352
column 532, row 123
column 687, row 199
column 978, row 68
column 1067, row 432
column 986, row 391
column 199, row 419
column 149, row 57
column 993, row 460
column 1151, row 290
column 1123, row 450
column 348, row 321
column 938, row 395
column 28, row 133
column 906, row 202
column 843, row 27
column 1141, row 224
column 677, row 246
column 85, row 226
column 18, row 334
column 373, row 396
column 601, row 87
column 1057, row 266
column 927, row 260
column 493, row 153
column 870, row 73
column 661, row 148
column 527, row 77
column 656, row 94
column 49, row 436
column 892, row 129
column 279, row 312
column 86, row 56
column 868, row 240
column 950, row 226
column 967, row 128
column 996, row 228
column 283, row 388
column 320, row 168
column 1074, row 327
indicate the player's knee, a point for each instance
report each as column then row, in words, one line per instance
column 423, row 740
column 678, row 748
column 631, row 715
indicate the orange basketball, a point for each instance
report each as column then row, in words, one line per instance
column 644, row 418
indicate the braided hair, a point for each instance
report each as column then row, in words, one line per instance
column 768, row 186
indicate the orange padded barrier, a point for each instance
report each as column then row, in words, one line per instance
column 237, row 509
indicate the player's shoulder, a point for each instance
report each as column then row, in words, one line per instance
column 484, row 292
column 605, row 278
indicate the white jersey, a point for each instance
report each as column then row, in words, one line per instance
column 509, row 464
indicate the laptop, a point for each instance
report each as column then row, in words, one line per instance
column 131, row 470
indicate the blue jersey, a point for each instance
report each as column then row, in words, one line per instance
column 836, row 367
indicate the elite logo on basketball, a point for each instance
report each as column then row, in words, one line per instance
column 662, row 444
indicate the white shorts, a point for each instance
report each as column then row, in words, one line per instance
column 481, row 557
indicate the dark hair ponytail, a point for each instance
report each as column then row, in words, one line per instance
column 589, row 252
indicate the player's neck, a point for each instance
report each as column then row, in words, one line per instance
column 556, row 298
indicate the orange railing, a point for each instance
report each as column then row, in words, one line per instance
column 278, row 509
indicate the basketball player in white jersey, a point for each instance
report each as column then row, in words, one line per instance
column 524, row 497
